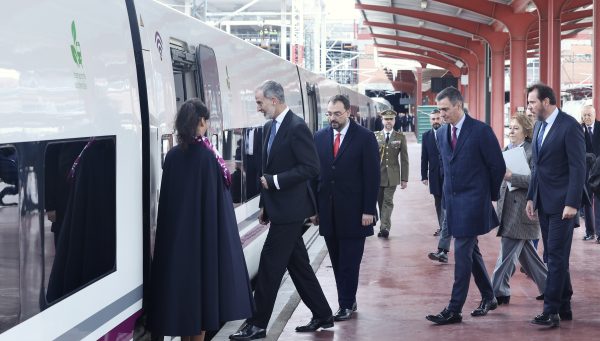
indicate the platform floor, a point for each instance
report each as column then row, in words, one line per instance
column 399, row 285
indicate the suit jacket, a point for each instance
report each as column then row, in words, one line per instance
column 392, row 170
column 348, row 184
column 514, row 222
column 293, row 159
column 431, row 167
column 559, row 166
column 594, row 142
column 473, row 173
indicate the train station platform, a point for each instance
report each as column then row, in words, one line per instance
column 399, row 286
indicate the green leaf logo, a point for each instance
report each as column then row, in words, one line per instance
column 75, row 47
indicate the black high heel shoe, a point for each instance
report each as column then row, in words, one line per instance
column 503, row 300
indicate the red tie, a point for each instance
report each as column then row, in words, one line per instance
column 336, row 144
column 454, row 138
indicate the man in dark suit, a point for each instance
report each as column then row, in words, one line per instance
column 556, row 193
column 473, row 171
column 347, row 196
column 431, row 174
column 289, row 162
column 591, row 131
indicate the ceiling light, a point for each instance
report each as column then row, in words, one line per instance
column 459, row 63
column 424, row 4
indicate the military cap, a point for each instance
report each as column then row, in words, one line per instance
column 388, row 114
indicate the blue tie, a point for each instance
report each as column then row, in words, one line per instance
column 540, row 136
column 272, row 136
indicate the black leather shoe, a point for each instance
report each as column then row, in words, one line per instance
column 540, row 298
column 503, row 300
column 484, row 307
column 354, row 306
column 445, row 317
column 588, row 237
column 343, row 314
column 566, row 315
column 441, row 256
column 385, row 233
column 380, row 234
column 545, row 319
column 315, row 324
column 249, row 332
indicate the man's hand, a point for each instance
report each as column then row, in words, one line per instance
column 264, row 183
column 508, row 175
column 425, row 182
column 368, row 219
column 51, row 216
column 314, row 220
column 261, row 217
column 403, row 184
column 569, row 212
column 530, row 210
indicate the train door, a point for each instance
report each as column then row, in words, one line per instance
column 312, row 92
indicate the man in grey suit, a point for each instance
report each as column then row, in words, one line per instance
column 516, row 229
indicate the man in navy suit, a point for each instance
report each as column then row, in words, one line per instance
column 347, row 196
column 289, row 162
column 473, row 171
column 556, row 193
column 591, row 131
column 431, row 174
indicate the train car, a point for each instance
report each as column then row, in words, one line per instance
column 88, row 94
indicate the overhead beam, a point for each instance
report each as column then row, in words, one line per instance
column 450, row 67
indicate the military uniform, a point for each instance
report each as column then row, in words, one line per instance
column 393, row 171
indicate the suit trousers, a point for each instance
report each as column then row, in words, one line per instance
column 522, row 250
column 284, row 248
column 346, row 255
column 468, row 260
column 439, row 209
column 445, row 237
column 385, row 200
column 557, row 235
column 588, row 211
column 597, row 214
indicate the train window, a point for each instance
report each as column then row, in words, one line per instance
column 211, row 91
column 185, row 71
column 232, row 154
column 80, row 204
column 9, row 238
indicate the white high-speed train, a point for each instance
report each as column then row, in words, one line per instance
column 88, row 93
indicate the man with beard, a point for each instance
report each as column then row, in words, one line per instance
column 393, row 173
column 432, row 176
column 347, row 197
column 289, row 162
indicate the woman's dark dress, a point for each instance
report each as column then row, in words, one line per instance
column 198, row 277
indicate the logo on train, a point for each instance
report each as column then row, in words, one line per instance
column 75, row 47
column 159, row 43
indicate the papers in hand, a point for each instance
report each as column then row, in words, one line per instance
column 516, row 161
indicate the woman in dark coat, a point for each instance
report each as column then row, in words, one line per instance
column 199, row 278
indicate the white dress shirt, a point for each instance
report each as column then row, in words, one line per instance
column 343, row 133
column 549, row 122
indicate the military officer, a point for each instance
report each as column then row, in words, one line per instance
column 394, row 172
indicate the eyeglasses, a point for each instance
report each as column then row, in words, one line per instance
column 335, row 114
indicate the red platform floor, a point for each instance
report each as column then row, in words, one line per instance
column 399, row 285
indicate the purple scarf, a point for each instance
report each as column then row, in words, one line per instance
column 202, row 140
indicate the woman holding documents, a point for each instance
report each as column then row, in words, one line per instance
column 516, row 229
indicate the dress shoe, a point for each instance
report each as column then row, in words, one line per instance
column 385, row 233
column 380, row 234
column 589, row 237
column 445, row 317
column 441, row 256
column 249, row 332
column 503, row 300
column 484, row 307
column 343, row 314
column 566, row 315
column 437, row 232
column 315, row 324
column 540, row 298
column 354, row 306
column 545, row 319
